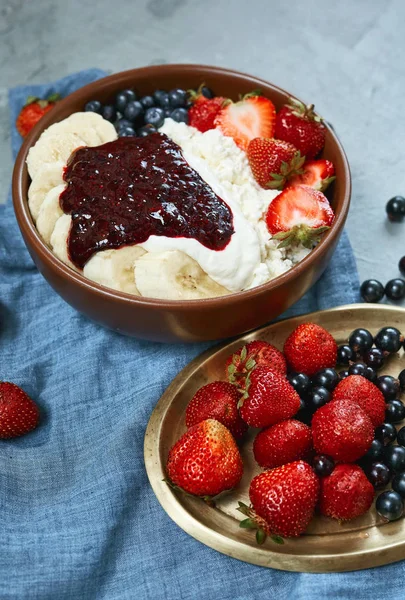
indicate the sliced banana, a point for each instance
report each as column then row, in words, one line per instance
column 52, row 148
column 49, row 213
column 59, row 239
column 173, row 275
column 114, row 268
column 88, row 126
column 47, row 177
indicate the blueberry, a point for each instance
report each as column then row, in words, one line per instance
column 385, row 433
column 130, row 95
column 134, row 111
column 120, row 101
column 146, row 130
column 378, row 474
column 161, row 98
column 108, row 112
column 389, row 386
column 398, row 484
column 396, row 209
column 126, row 132
column 155, row 116
column 394, row 411
column 374, row 358
column 180, row 115
column 93, row 106
column 323, row 465
column 394, row 458
column 189, row 104
column 147, row 101
column 389, row 505
column 318, row 396
column 401, row 379
column 388, row 339
column 300, row 382
column 372, row 290
column 375, row 451
column 327, row 378
column 358, row 368
column 395, row 289
column 207, row 92
column 401, row 265
column 401, row 436
column 122, row 123
column 343, row 374
column 177, row 98
column 168, row 112
column 345, row 355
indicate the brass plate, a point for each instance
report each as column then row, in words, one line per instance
column 327, row 545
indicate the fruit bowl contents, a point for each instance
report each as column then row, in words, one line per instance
column 181, row 195
column 325, row 444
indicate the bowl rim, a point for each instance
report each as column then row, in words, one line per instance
column 29, row 230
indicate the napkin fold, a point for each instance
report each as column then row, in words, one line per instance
column 78, row 518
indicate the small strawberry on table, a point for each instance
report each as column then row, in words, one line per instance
column 33, row 110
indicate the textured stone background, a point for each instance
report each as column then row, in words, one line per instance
column 347, row 57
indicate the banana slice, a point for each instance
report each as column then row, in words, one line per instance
column 49, row 213
column 114, row 268
column 59, row 239
column 88, row 126
column 173, row 275
column 50, row 149
column 48, row 176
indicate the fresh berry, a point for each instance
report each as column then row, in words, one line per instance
column 122, row 124
column 401, row 436
column 161, row 98
column 282, row 443
column 378, row 474
column 361, row 340
column 386, row 433
column 299, row 125
column 217, row 400
column 177, row 98
column 317, row 397
column 401, row 379
column 283, row 500
column 130, row 95
column 396, row 209
column 273, row 162
column 375, row 452
column 32, row 111
column 18, row 413
column 398, row 484
column 389, row 339
column 299, row 214
column 147, row 101
column 389, row 505
column 301, row 383
column 345, row 355
column 394, row 411
column 268, row 399
column 346, row 493
column 389, row 386
column 323, row 465
column 318, row 174
column 180, row 115
column 206, row 91
column 342, row 430
column 134, row 111
column 257, row 353
column 365, row 394
column 310, row 348
column 343, row 374
column 360, row 368
column 252, row 117
column 146, row 130
column 126, row 132
column 155, row 116
column 109, row 113
column 394, row 458
column 374, row 358
column 204, row 111
column 120, row 102
column 395, row 289
column 93, row 106
column 372, row 290
column 401, row 265
column 205, row 460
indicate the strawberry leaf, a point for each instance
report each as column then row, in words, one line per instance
column 248, row 524
column 260, row 537
column 243, row 354
column 277, row 539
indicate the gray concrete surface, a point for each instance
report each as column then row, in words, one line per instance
column 346, row 56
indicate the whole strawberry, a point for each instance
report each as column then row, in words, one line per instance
column 205, row 461
column 255, row 354
column 282, row 443
column 32, row 111
column 268, row 399
column 342, row 430
column 204, row 111
column 299, row 125
column 18, row 413
column 217, row 400
column 310, row 348
column 283, row 501
column 364, row 393
column 274, row 162
column 346, row 493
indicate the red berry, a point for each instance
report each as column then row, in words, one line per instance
column 346, row 493
column 282, row 443
column 359, row 390
column 299, row 125
column 310, row 348
column 255, row 354
column 18, row 413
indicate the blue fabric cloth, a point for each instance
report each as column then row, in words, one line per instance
column 78, row 518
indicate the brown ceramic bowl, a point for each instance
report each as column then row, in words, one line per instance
column 192, row 320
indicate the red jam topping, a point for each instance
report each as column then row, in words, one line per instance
column 124, row 191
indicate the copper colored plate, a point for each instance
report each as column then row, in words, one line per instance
column 327, row 545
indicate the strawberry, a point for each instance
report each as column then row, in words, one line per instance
column 205, row 461
column 299, row 125
column 256, row 353
column 299, row 214
column 318, row 174
column 342, row 430
column 253, row 116
column 217, row 400
column 282, row 501
column 364, row 393
column 18, row 413
column 282, row 443
column 346, row 493
column 273, row 162
column 203, row 112
column 268, row 399
column 310, row 348
column 32, row 111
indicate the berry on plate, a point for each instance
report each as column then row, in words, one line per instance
column 282, row 501
column 346, row 493
column 299, row 214
column 273, row 162
column 253, row 116
column 282, row 443
column 205, row 461
column 342, row 430
column 299, row 125
column 32, row 111
column 268, row 399
column 204, row 111
column 310, row 348
column 318, row 174
column 364, row 393
column 255, row 354
column 217, row 400
column 18, row 413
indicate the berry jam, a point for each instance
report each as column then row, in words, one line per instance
column 124, row 191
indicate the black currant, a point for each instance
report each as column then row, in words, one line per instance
column 317, row 397
column 360, row 340
column 358, row 368
column 395, row 209
column 388, row 339
column 323, row 465
column 327, row 378
column 401, row 265
column 395, row 289
column 300, row 382
column 389, row 505
column 374, row 358
column 398, row 484
column 394, row 411
column 378, row 474
column 345, row 355
column 93, row 106
column 401, row 379
column 375, row 451
column 394, row 458
column 401, row 436
column 155, row 116
column 372, row 290
column 343, row 374
column 385, row 433
column 389, row 386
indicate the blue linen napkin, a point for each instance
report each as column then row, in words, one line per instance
column 78, row 518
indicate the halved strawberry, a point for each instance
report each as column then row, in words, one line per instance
column 299, row 214
column 273, row 162
column 316, row 173
column 253, row 116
